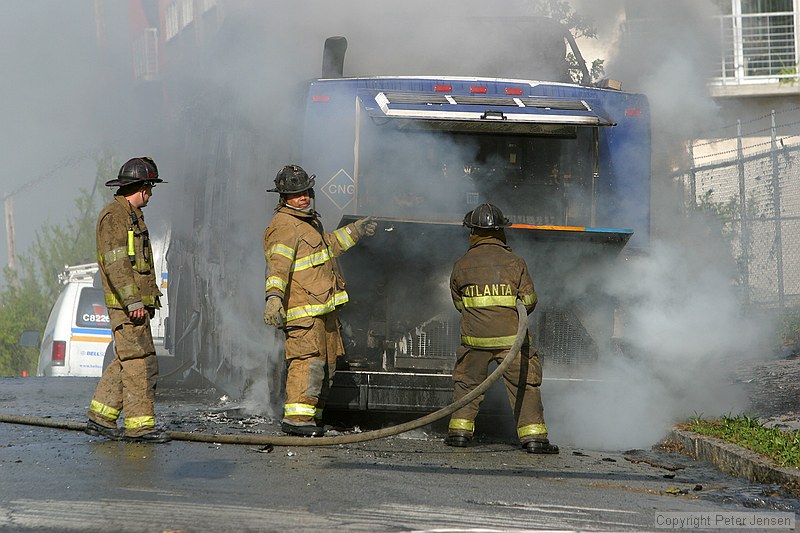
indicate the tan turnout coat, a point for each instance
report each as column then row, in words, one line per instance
column 301, row 264
column 485, row 285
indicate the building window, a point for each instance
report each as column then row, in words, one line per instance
column 187, row 12
column 145, row 55
column 758, row 39
column 172, row 25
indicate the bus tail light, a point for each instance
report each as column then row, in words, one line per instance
column 443, row 88
column 478, row 89
column 514, row 91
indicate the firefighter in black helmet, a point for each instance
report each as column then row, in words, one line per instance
column 485, row 285
column 125, row 258
column 304, row 289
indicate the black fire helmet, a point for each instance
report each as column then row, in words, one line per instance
column 136, row 170
column 486, row 216
column 292, row 179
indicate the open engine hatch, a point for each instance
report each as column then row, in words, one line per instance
column 402, row 229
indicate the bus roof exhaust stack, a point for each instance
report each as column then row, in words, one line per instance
column 333, row 57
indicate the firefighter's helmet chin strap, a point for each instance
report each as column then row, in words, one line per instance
column 307, row 211
column 310, row 210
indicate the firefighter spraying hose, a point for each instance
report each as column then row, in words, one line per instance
column 319, row 441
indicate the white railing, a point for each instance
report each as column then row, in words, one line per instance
column 757, row 48
column 145, row 55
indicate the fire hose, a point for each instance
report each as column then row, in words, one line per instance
column 352, row 438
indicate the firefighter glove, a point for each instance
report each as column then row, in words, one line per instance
column 366, row 226
column 274, row 315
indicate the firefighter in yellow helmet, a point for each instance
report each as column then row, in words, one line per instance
column 485, row 284
column 303, row 290
column 126, row 265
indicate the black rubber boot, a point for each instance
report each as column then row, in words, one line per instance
column 458, row 441
column 98, row 430
column 540, row 446
column 156, row 437
column 302, row 431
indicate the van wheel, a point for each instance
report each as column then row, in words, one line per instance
column 109, row 355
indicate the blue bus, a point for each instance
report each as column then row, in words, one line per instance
column 568, row 164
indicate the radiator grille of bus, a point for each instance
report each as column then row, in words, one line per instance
column 436, row 339
column 563, row 340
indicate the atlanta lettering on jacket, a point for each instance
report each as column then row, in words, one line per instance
column 494, row 289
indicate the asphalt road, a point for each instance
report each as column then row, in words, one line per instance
column 773, row 388
column 62, row 480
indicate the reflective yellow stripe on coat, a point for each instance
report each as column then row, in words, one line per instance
column 344, row 238
column 302, row 311
column 489, row 301
column 492, row 342
column 499, row 301
column 277, row 282
column 141, row 264
column 488, row 342
column 112, row 301
column 319, row 258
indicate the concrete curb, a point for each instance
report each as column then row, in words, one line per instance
column 734, row 460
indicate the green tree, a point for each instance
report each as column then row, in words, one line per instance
column 580, row 26
column 729, row 223
column 23, row 306
column 561, row 10
column 32, row 289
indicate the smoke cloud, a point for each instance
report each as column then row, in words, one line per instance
column 683, row 323
column 235, row 103
column 685, row 335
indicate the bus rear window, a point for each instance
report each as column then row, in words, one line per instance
column 92, row 312
column 440, row 175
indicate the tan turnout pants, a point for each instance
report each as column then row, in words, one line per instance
column 129, row 382
column 522, row 380
column 311, row 354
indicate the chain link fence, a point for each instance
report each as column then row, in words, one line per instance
column 753, row 185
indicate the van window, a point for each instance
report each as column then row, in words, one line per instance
column 92, row 312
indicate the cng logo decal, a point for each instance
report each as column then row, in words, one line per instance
column 340, row 189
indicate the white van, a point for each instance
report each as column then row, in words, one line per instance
column 78, row 330
column 158, row 324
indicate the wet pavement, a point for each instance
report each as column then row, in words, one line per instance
column 773, row 386
column 773, row 389
column 57, row 480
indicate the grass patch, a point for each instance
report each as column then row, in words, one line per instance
column 782, row 447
